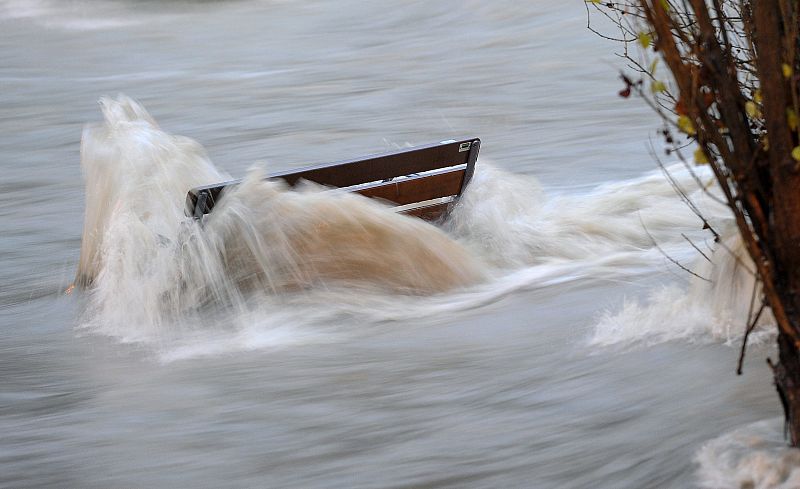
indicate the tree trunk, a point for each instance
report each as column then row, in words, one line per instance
column 775, row 38
column 787, row 381
column 784, row 241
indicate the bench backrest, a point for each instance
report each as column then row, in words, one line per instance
column 421, row 181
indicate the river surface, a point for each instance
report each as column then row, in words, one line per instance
column 580, row 356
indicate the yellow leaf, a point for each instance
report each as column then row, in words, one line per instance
column 658, row 86
column 665, row 5
column 791, row 119
column 652, row 68
column 787, row 70
column 757, row 97
column 644, row 39
column 765, row 143
column 751, row 108
column 685, row 124
column 700, row 157
column 796, row 153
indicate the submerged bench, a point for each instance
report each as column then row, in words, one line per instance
column 423, row 181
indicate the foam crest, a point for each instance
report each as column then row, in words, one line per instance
column 274, row 239
column 712, row 308
column 755, row 456
column 135, row 176
column 514, row 223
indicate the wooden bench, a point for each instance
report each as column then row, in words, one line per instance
column 422, row 181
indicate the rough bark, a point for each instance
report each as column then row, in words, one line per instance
column 787, row 382
column 784, row 226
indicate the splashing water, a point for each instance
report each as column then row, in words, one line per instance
column 267, row 252
column 754, row 456
column 153, row 269
column 134, row 173
column 714, row 306
column 515, row 224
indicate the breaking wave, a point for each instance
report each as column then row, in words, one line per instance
column 272, row 267
column 714, row 306
column 754, row 456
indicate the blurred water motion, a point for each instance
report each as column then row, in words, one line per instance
column 508, row 382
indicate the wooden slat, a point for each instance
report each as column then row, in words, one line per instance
column 380, row 167
column 429, row 213
column 418, row 188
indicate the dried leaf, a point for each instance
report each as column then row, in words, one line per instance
column 680, row 107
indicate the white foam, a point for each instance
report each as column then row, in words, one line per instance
column 715, row 309
column 159, row 277
column 754, row 456
column 70, row 15
column 258, row 329
column 514, row 223
column 321, row 257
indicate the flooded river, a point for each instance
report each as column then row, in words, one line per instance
column 568, row 351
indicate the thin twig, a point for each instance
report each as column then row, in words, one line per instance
column 673, row 260
column 695, row 247
column 681, row 193
column 704, row 188
column 749, row 330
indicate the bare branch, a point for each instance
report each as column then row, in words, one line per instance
column 673, row 260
